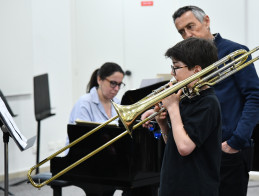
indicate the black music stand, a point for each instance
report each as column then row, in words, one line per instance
column 9, row 128
column 6, row 140
column 42, row 107
column 6, row 137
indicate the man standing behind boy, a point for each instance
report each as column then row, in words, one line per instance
column 239, row 100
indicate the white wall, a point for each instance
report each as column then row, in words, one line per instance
column 48, row 52
column 148, row 34
column 16, row 48
column 98, row 39
column 52, row 48
column 69, row 39
column 252, row 27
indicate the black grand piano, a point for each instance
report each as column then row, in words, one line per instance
column 131, row 164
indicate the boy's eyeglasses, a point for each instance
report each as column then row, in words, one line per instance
column 113, row 84
column 175, row 68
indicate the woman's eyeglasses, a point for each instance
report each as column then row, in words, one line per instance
column 113, row 84
column 175, row 68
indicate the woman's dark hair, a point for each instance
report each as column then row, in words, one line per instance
column 194, row 51
column 103, row 72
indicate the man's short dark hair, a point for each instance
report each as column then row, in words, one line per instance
column 194, row 51
column 197, row 12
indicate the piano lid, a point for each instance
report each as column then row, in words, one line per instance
column 132, row 96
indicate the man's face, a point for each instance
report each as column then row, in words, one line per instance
column 189, row 26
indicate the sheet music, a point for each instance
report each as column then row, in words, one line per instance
column 148, row 82
column 11, row 126
column 79, row 121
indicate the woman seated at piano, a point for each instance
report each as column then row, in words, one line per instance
column 95, row 105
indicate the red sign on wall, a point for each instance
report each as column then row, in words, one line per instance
column 146, row 3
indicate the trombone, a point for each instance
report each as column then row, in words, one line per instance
column 211, row 75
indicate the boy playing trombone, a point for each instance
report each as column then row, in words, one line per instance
column 191, row 163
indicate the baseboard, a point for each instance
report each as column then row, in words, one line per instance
column 254, row 175
column 22, row 174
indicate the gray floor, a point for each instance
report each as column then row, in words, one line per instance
column 26, row 189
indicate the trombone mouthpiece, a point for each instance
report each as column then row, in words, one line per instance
column 173, row 80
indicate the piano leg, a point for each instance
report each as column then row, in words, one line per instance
column 57, row 191
column 97, row 190
column 108, row 193
column 140, row 191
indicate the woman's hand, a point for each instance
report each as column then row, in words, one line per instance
column 145, row 115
